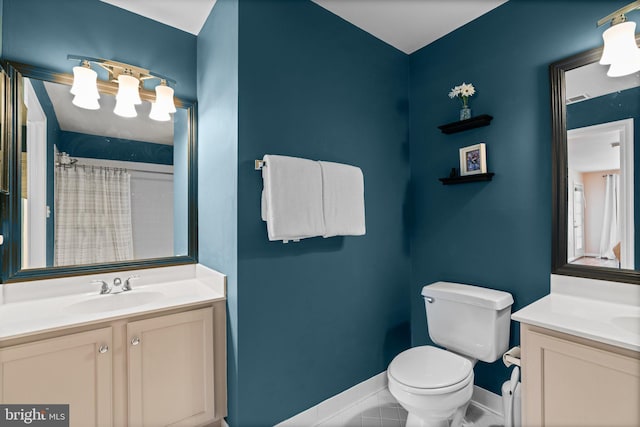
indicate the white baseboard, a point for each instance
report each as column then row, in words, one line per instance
column 488, row 400
column 328, row 408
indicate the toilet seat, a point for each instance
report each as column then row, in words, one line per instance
column 430, row 370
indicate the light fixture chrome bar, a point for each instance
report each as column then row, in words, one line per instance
column 618, row 16
column 116, row 68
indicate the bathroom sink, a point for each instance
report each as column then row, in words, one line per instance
column 629, row 323
column 111, row 302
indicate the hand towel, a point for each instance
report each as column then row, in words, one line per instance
column 293, row 196
column 343, row 200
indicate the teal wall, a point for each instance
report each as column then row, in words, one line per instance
column 495, row 234
column 318, row 316
column 102, row 147
column 306, row 320
column 218, row 167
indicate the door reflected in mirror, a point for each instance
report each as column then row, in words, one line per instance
column 601, row 115
column 98, row 188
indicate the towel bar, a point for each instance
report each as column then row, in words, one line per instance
column 259, row 164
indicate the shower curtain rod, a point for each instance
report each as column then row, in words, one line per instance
column 108, row 167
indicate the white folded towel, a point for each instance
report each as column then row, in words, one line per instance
column 343, row 200
column 293, row 198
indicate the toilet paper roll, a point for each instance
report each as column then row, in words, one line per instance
column 512, row 357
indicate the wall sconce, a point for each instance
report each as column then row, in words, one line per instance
column 620, row 51
column 126, row 78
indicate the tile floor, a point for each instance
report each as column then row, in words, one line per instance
column 382, row 410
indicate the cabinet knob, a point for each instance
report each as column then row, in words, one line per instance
column 103, row 349
column 135, row 341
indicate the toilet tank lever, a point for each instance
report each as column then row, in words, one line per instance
column 429, row 299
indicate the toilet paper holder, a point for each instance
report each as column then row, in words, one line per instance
column 512, row 357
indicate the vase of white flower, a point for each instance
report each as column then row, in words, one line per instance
column 463, row 92
column 465, row 113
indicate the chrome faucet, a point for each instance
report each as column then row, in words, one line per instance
column 127, row 283
column 105, row 288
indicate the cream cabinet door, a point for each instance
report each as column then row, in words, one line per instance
column 74, row 369
column 568, row 381
column 170, row 370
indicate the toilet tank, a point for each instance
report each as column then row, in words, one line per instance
column 468, row 320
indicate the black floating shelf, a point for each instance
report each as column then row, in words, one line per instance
column 473, row 122
column 467, row 178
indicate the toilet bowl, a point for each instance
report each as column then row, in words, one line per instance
column 433, row 385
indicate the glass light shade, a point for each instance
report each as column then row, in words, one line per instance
column 628, row 66
column 164, row 97
column 159, row 112
column 125, row 109
column 85, row 82
column 86, row 102
column 128, row 90
column 620, row 49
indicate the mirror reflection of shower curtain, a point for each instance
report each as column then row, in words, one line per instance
column 92, row 215
column 610, row 235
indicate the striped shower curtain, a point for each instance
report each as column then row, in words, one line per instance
column 92, row 215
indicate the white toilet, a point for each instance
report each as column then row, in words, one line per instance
column 435, row 385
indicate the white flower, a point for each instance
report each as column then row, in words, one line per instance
column 467, row 89
column 463, row 92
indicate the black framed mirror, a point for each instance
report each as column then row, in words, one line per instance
column 4, row 175
column 595, row 123
column 90, row 191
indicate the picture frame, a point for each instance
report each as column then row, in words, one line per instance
column 473, row 159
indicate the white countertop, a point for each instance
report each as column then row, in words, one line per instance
column 21, row 315
column 600, row 316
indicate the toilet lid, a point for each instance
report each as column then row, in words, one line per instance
column 429, row 367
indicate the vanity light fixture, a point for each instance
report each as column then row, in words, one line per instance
column 128, row 95
column 158, row 113
column 124, row 81
column 85, row 89
column 620, row 51
column 164, row 103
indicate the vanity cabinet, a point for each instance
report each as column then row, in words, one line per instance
column 165, row 368
column 571, row 381
column 170, row 369
column 73, row 369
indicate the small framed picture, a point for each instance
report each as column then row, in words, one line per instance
column 473, row 160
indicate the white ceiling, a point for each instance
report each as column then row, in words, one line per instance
column 104, row 122
column 591, row 81
column 594, row 151
column 186, row 15
column 407, row 25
